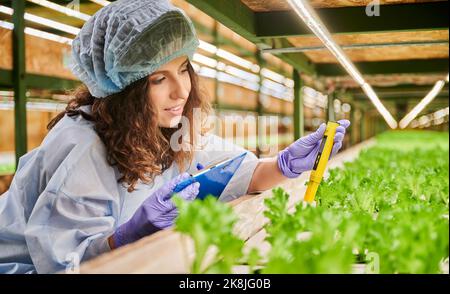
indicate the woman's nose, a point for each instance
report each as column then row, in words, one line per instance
column 180, row 89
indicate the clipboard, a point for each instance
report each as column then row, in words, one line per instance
column 213, row 179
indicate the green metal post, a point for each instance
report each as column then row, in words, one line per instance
column 330, row 114
column 352, row 125
column 362, row 125
column 401, row 109
column 299, row 119
column 216, row 81
column 259, row 106
column 19, row 86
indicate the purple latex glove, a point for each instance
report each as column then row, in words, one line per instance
column 156, row 212
column 301, row 155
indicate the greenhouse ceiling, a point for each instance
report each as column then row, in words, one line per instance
column 406, row 44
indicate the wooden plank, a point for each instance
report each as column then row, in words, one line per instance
column 385, row 80
column 195, row 14
column 384, row 54
column 413, row 17
column 43, row 57
column 36, row 128
column 5, row 182
column 170, row 252
column 235, row 95
column 18, row 78
column 299, row 108
column 239, row 18
column 280, row 5
column 408, row 66
column 374, row 38
column 6, row 58
column 163, row 252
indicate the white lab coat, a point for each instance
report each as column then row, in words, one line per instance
column 64, row 201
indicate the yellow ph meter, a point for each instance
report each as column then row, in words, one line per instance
column 321, row 161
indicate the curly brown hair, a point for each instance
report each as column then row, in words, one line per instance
column 128, row 126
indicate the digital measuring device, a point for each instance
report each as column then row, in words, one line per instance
column 321, row 161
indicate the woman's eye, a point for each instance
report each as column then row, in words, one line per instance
column 185, row 70
column 159, row 81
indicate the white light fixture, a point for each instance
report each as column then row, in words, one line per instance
column 255, row 68
column 414, row 124
column 438, row 121
column 310, row 18
column 234, row 59
column 35, row 106
column 273, row 75
column 242, row 74
column 48, row 36
column 43, row 21
column 61, row 9
column 227, row 78
column 101, row 2
column 7, row 93
column 272, row 85
column 6, row 25
column 195, row 66
column 247, row 79
column 437, row 118
column 208, row 72
column 200, row 58
column 441, row 113
column 38, row 33
column 235, row 76
column 315, row 97
column 425, row 121
column 208, row 47
column 251, row 86
column 422, row 104
column 346, row 107
column 379, row 106
column 221, row 66
column 289, row 83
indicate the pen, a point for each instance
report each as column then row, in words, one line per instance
column 186, row 183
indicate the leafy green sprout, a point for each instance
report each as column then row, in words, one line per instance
column 392, row 202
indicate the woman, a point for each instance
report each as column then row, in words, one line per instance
column 104, row 175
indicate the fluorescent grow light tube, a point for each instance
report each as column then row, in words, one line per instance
column 379, row 106
column 205, row 46
column 422, row 104
column 237, row 60
column 441, row 113
column 208, row 47
column 242, row 74
column 61, row 9
column 310, row 18
column 38, row 33
column 273, row 75
column 200, row 58
column 44, row 21
column 101, row 2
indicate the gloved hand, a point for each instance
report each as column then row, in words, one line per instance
column 301, row 155
column 156, row 212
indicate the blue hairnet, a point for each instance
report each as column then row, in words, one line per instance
column 128, row 40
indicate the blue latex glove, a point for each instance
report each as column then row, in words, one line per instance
column 156, row 213
column 301, row 155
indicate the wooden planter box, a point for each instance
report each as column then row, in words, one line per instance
column 5, row 181
column 171, row 252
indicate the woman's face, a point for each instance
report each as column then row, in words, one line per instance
column 169, row 90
